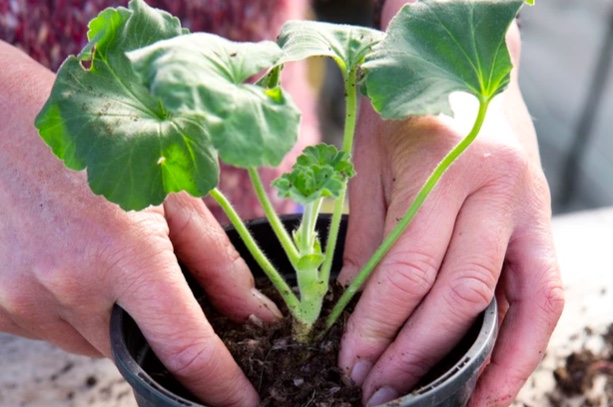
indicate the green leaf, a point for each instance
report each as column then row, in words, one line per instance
column 203, row 75
column 346, row 44
column 101, row 117
column 320, row 171
column 435, row 47
column 310, row 261
column 314, row 256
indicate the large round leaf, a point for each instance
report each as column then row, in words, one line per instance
column 435, row 47
column 101, row 118
column 204, row 75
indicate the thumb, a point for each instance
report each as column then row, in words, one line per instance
column 162, row 305
column 202, row 245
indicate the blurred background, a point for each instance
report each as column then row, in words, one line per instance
column 567, row 80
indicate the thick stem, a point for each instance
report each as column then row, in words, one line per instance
column 351, row 109
column 311, row 301
column 282, row 234
column 307, row 227
column 389, row 241
column 309, row 304
column 284, row 290
column 312, row 287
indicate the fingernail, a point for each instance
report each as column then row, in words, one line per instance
column 360, row 371
column 267, row 303
column 383, row 395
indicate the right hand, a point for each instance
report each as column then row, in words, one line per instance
column 67, row 256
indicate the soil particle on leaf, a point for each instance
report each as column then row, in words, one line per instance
column 284, row 372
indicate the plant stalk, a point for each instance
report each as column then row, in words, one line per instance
column 400, row 227
column 307, row 226
column 312, row 287
column 351, row 109
column 284, row 238
column 284, row 289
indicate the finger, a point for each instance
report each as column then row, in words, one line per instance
column 366, row 198
column 536, row 299
column 465, row 286
column 28, row 312
column 400, row 282
column 202, row 245
column 174, row 325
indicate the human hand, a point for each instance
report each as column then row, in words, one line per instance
column 67, row 256
column 483, row 232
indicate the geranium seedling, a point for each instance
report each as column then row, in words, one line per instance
column 149, row 109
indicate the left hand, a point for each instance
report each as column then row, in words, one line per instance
column 484, row 231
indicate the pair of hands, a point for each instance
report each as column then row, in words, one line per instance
column 69, row 255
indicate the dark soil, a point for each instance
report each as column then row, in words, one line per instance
column 578, row 376
column 284, row 372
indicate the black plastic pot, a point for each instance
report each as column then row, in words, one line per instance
column 449, row 384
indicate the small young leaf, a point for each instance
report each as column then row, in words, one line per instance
column 319, row 172
column 346, row 44
column 203, row 74
column 101, row 118
column 435, row 47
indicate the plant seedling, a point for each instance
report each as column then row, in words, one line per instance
column 149, row 109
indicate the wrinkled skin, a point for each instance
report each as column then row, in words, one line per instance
column 484, row 232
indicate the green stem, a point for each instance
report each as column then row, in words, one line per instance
column 284, row 238
column 389, row 241
column 351, row 110
column 312, row 287
column 307, row 226
column 286, row 292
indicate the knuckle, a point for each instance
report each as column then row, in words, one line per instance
column 550, row 295
column 473, row 290
column 411, row 274
column 553, row 302
column 191, row 359
column 131, row 263
column 511, row 167
column 543, row 193
column 512, row 162
column 513, row 176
